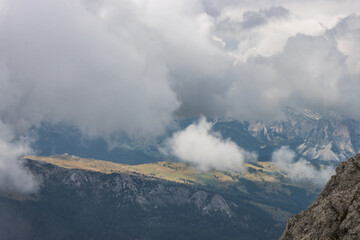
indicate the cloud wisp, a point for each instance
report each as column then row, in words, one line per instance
column 302, row 170
column 200, row 146
column 14, row 177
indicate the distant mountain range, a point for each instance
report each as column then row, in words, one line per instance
column 319, row 137
column 89, row 199
column 324, row 137
column 153, row 196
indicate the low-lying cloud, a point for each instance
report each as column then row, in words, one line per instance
column 199, row 145
column 301, row 170
column 14, row 177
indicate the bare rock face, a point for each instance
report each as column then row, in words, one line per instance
column 336, row 213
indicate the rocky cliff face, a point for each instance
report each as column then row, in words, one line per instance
column 325, row 137
column 336, row 213
column 321, row 137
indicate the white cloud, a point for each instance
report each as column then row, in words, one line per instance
column 346, row 34
column 110, row 66
column 301, row 170
column 68, row 62
column 306, row 17
column 199, row 145
column 14, row 177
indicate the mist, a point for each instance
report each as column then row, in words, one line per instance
column 206, row 149
column 14, row 177
column 125, row 66
column 133, row 67
column 301, row 171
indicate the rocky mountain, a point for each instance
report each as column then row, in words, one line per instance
column 89, row 199
column 322, row 137
column 319, row 137
column 336, row 213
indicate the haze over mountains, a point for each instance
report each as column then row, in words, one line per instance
column 318, row 139
column 328, row 137
column 134, row 68
column 216, row 84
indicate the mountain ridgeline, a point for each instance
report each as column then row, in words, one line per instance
column 314, row 136
column 90, row 199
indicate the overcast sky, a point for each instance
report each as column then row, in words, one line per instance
column 125, row 65
column 133, row 66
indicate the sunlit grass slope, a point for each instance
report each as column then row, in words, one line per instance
column 176, row 172
column 265, row 175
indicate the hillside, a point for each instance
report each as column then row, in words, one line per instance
column 81, row 198
column 261, row 184
column 262, row 172
column 79, row 203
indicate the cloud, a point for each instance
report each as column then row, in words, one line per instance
column 346, row 33
column 121, row 66
column 296, row 58
column 252, row 19
column 199, row 145
column 302, row 170
column 88, row 65
column 284, row 20
column 132, row 66
column 14, row 177
column 275, row 12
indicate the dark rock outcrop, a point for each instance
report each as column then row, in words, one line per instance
column 336, row 213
